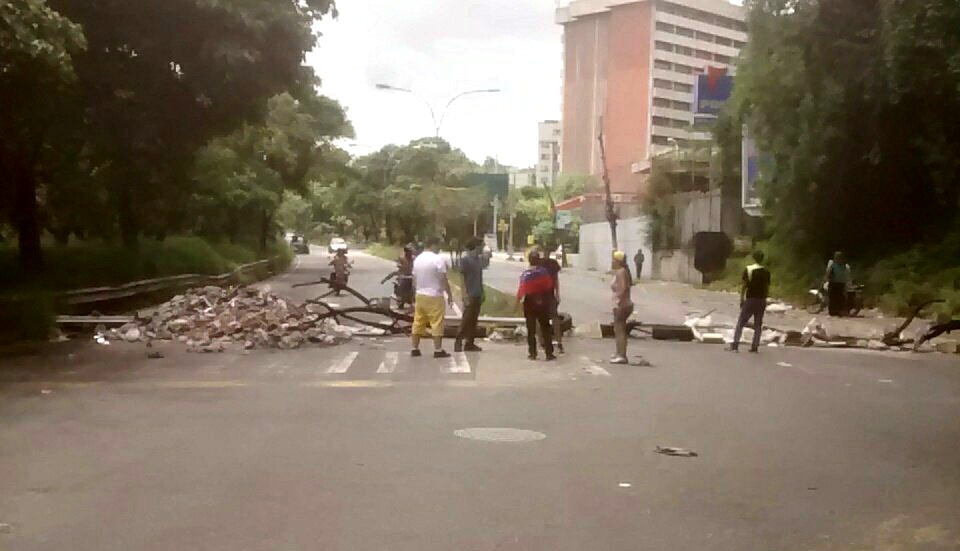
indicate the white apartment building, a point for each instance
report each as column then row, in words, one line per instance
column 548, row 153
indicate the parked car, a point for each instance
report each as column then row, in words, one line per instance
column 337, row 244
column 299, row 244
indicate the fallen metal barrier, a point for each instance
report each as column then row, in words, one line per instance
column 106, row 295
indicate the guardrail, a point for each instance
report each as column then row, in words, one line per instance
column 105, row 295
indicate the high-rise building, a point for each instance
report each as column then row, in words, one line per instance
column 629, row 70
column 548, row 160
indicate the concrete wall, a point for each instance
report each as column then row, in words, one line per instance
column 695, row 212
column 596, row 248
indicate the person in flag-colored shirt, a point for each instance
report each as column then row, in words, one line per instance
column 537, row 293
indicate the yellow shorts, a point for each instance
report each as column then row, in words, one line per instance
column 429, row 312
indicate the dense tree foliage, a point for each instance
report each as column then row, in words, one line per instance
column 128, row 118
column 856, row 101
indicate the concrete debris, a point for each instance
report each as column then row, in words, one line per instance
column 590, row 330
column 212, row 319
column 778, row 308
column 155, row 355
column 676, row 452
column 948, row 347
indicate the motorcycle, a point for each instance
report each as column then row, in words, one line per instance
column 818, row 300
column 403, row 292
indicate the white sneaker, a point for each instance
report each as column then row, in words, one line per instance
column 619, row 360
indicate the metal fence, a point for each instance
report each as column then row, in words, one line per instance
column 147, row 287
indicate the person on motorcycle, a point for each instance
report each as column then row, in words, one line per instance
column 403, row 289
column 341, row 270
column 837, row 278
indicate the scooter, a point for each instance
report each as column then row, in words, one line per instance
column 818, row 300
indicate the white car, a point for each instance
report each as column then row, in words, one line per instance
column 337, row 244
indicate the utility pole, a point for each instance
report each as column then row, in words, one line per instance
column 611, row 214
column 496, row 214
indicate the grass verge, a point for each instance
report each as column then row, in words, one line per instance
column 386, row 252
column 496, row 303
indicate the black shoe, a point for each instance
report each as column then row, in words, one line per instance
column 472, row 348
column 416, row 353
column 441, row 354
column 560, row 348
column 754, row 351
column 458, row 346
column 551, row 357
column 532, row 357
column 732, row 349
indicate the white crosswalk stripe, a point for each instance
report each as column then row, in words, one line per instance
column 458, row 363
column 343, row 364
column 594, row 369
column 389, row 363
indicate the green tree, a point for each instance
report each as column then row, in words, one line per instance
column 37, row 45
column 856, row 102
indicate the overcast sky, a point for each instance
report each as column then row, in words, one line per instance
column 439, row 48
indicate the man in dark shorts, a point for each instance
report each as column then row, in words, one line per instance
column 553, row 267
column 753, row 301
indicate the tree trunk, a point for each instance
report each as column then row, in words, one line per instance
column 127, row 219
column 264, row 230
column 27, row 222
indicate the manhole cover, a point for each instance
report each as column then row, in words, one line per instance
column 500, row 434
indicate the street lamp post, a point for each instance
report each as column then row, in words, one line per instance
column 433, row 115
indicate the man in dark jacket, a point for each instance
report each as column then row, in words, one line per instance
column 753, row 301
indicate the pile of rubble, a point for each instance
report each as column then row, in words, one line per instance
column 211, row 319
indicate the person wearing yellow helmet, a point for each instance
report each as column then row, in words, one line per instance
column 622, row 305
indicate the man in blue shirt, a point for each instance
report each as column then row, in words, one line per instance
column 471, row 266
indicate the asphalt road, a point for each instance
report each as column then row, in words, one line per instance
column 354, row 448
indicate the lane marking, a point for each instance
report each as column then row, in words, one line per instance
column 459, row 363
column 389, row 363
column 594, row 369
column 369, row 383
column 343, row 364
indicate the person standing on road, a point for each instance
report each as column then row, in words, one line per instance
column 341, row 270
column 471, row 266
column 536, row 292
column 430, row 281
column 622, row 305
column 638, row 262
column 753, row 301
column 553, row 266
column 837, row 278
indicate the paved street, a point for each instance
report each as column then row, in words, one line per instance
column 353, row 447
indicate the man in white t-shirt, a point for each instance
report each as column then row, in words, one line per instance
column 430, row 281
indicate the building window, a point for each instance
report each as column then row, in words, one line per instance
column 684, row 69
column 680, row 105
column 683, row 50
column 545, row 157
column 719, row 58
column 665, row 65
column 703, row 16
column 681, row 87
column 661, row 121
column 724, row 41
column 662, row 102
column 662, row 84
column 706, row 37
column 660, row 140
column 701, row 54
column 739, row 45
column 665, row 46
column 665, row 27
column 683, row 31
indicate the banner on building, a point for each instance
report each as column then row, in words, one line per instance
column 712, row 91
